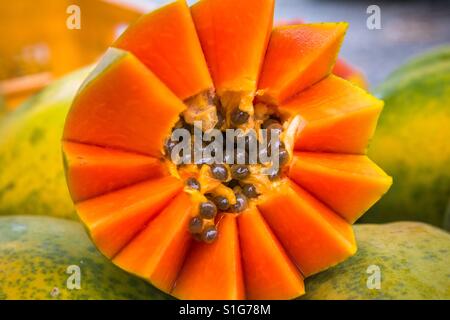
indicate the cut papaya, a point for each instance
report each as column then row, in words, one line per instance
column 337, row 117
column 297, row 57
column 197, row 223
column 349, row 184
column 234, row 36
column 213, row 271
column 92, row 171
column 269, row 273
column 118, row 104
column 158, row 252
column 165, row 40
column 311, row 233
column 106, row 216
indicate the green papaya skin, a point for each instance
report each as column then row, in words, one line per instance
column 32, row 180
column 412, row 142
column 42, row 257
column 410, row 258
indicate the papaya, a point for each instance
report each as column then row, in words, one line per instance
column 32, row 180
column 342, row 68
column 226, row 224
column 395, row 261
column 412, row 141
column 45, row 258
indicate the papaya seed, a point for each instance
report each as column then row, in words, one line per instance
column 208, row 210
column 209, row 234
column 219, row 172
column 239, row 117
column 239, row 171
column 195, row 225
column 193, row 183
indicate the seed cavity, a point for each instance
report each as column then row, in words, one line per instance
column 234, row 184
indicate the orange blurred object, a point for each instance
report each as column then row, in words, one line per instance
column 39, row 43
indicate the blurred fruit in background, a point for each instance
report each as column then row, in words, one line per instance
column 30, row 150
column 412, row 141
column 37, row 45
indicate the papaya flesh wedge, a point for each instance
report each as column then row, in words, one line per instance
column 115, row 218
column 157, row 253
column 297, row 57
column 118, row 104
column 165, row 40
column 92, row 171
column 213, row 271
column 337, row 117
column 269, row 273
column 348, row 184
column 312, row 234
column 234, row 36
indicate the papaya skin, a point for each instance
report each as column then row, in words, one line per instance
column 412, row 259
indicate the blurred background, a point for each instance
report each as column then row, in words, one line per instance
column 36, row 45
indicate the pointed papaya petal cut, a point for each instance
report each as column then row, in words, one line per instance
column 92, row 171
column 269, row 273
column 234, row 36
column 165, row 40
column 297, row 57
column 337, row 116
column 313, row 235
column 117, row 105
column 157, row 253
column 115, row 218
column 213, row 271
column 348, row 184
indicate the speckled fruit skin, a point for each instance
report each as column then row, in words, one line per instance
column 413, row 257
column 412, row 141
column 36, row 251
column 32, row 178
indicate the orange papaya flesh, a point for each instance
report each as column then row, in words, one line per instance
column 269, row 272
column 297, row 57
column 337, row 117
column 234, row 36
column 118, row 104
column 92, row 171
column 342, row 68
column 213, row 271
column 115, row 218
column 165, row 40
column 348, row 184
column 312, row 234
column 157, row 253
